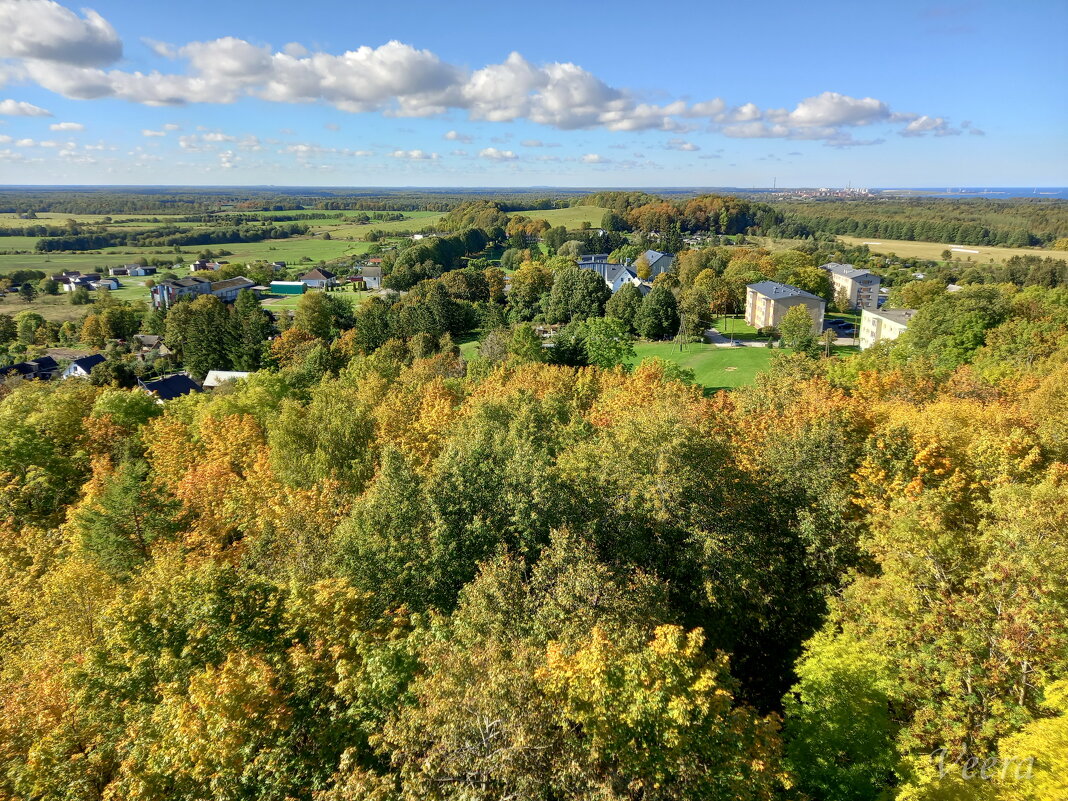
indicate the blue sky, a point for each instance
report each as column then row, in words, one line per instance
column 553, row 93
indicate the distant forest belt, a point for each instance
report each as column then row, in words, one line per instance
column 1020, row 223
column 168, row 237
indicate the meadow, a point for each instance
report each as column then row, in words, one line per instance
column 571, row 217
column 933, row 250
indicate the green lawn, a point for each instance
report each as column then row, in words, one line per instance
column 571, row 217
column 276, row 302
column 734, row 325
column 713, row 367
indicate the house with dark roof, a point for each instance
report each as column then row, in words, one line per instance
column 138, row 270
column 319, row 278
column 859, row 286
column 169, row 387
column 80, row 368
column 166, row 293
column 766, row 303
column 42, row 369
column 592, row 260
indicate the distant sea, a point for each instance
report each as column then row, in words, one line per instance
column 992, row 192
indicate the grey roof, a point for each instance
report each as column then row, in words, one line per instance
column 901, row 316
column 240, row 282
column 845, row 270
column 147, row 340
column 318, row 274
column 191, row 281
column 593, row 258
column 617, row 271
column 777, row 291
column 372, row 272
column 171, row 386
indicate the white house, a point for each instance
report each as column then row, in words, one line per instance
column 80, row 368
column 319, row 278
column 372, row 277
column 881, row 324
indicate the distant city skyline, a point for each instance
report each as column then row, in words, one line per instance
column 828, row 94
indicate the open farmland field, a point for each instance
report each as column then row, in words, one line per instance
column 572, row 217
column 933, row 250
column 292, row 250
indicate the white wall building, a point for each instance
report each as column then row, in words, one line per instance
column 877, row 325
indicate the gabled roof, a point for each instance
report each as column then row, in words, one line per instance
column 593, row 258
column 655, row 255
column 777, row 291
column 87, row 363
column 172, row 386
column 617, row 271
column 318, row 274
column 147, row 340
column 372, row 272
column 45, row 364
column 845, row 270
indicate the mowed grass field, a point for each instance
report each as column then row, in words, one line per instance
column 713, row 367
column 933, row 250
column 276, row 302
column 570, row 218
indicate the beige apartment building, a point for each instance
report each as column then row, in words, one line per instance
column 766, row 303
column 860, row 286
column 877, row 325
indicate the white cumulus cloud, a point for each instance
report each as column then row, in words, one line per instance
column 67, row 126
column 414, row 155
column 493, row 154
column 42, row 29
column 20, row 108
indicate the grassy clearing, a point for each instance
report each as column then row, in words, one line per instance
column 276, row 302
column 713, row 367
column 56, row 308
column 572, row 217
column 933, row 250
